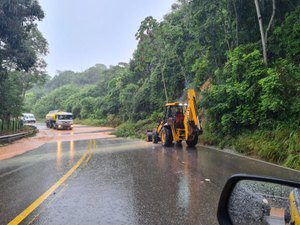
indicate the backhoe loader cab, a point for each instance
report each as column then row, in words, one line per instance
column 179, row 124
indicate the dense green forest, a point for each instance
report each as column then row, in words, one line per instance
column 249, row 51
column 22, row 48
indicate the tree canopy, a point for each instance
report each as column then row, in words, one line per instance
column 21, row 49
column 200, row 40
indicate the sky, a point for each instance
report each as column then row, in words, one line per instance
column 81, row 34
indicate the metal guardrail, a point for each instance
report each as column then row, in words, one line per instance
column 13, row 137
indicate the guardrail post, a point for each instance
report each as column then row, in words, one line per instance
column 4, row 125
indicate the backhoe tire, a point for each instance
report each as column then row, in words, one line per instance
column 192, row 142
column 166, row 137
column 154, row 137
column 149, row 136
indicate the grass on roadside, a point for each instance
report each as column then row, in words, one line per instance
column 110, row 121
column 280, row 146
column 90, row 122
column 135, row 129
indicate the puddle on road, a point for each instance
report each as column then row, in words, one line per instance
column 72, row 152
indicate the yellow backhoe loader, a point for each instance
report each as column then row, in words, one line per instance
column 179, row 124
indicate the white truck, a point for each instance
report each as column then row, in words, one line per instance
column 28, row 118
column 59, row 120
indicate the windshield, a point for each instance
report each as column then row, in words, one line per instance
column 64, row 117
column 172, row 111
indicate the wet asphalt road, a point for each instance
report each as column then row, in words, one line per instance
column 122, row 181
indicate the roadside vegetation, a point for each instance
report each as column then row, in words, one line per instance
column 22, row 48
column 247, row 53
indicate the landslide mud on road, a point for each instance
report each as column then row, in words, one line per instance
column 46, row 135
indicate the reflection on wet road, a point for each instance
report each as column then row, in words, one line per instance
column 122, row 182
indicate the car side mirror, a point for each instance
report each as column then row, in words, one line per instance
column 253, row 200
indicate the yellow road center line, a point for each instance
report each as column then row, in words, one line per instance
column 50, row 202
column 91, row 151
column 89, row 157
column 88, row 154
column 44, row 196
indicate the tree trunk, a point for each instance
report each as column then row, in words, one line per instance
column 164, row 82
column 271, row 19
column 182, row 69
column 264, row 34
column 237, row 24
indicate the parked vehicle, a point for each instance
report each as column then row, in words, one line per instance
column 59, row 120
column 28, row 118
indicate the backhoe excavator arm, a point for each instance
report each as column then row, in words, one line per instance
column 191, row 113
